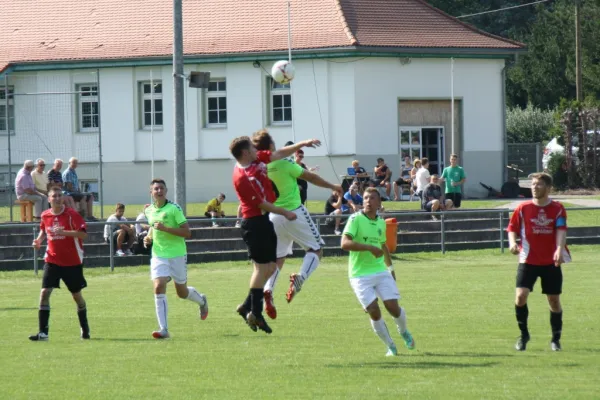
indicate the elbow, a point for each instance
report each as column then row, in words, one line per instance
column 188, row 234
column 345, row 244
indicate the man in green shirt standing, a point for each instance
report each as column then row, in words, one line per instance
column 364, row 237
column 454, row 176
column 284, row 174
column 168, row 230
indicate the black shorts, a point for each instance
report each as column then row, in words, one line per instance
column 550, row 275
column 456, row 198
column 71, row 276
column 259, row 235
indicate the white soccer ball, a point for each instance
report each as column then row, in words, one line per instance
column 283, row 71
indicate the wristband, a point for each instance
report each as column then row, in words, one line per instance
column 390, row 268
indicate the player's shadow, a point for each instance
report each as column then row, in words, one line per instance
column 413, row 365
column 470, row 355
column 18, row 308
column 95, row 339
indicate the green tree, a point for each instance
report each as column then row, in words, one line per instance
column 529, row 125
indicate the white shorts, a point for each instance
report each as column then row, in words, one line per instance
column 368, row 288
column 175, row 268
column 303, row 231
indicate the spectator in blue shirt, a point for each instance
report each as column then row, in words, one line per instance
column 71, row 183
column 355, row 200
column 55, row 179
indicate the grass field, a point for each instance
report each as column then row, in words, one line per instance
column 459, row 306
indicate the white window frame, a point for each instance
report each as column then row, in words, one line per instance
column 10, row 102
column 219, row 93
column 283, row 91
column 154, row 97
column 87, row 93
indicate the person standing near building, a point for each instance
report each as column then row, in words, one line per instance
column 66, row 231
column 454, row 176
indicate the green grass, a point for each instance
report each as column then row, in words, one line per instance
column 459, row 306
column 578, row 218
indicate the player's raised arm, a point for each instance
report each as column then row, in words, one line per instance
column 287, row 151
column 320, row 182
column 270, row 207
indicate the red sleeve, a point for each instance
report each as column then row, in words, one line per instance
column 249, row 191
column 515, row 221
column 77, row 222
column 264, row 156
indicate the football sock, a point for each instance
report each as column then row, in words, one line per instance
column 160, row 300
column 401, row 321
column 256, row 301
column 248, row 302
column 556, row 324
column 43, row 318
column 194, row 296
column 270, row 285
column 83, row 321
column 522, row 315
column 382, row 331
column 309, row 264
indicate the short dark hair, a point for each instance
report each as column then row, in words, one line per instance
column 453, row 155
column 288, row 143
column 55, row 188
column 372, row 190
column 424, row 161
column 222, row 195
column 380, row 159
column 158, row 180
column 543, row 177
column 120, row 206
column 238, row 145
column 262, row 140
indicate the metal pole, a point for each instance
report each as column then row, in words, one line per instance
column 538, row 166
column 35, row 254
column 7, row 116
column 151, row 126
column 443, row 234
column 178, row 105
column 502, row 232
column 111, row 247
column 289, row 33
column 578, row 81
column 101, row 178
column 452, row 103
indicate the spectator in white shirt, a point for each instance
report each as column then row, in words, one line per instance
column 122, row 235
column 423, row 176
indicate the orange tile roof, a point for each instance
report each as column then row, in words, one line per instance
column 59, row 30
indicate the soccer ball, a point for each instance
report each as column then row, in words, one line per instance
column 283, row 72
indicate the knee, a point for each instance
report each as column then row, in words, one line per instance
column 319, row 252
column 521, row 299
column 449, row 204
column 182, row 291
column 45, row 294
column 374, row 311
column 554, row 303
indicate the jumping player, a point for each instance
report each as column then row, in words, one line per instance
column 364, row 237
column 542, row 225
column 256, row 196
column 66, row 231
column 284, row 173
column 168, row 231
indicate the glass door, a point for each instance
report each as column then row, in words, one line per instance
column 410, row 139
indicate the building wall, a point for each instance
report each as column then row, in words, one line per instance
column 350, row 105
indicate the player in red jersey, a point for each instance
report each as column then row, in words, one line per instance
column 256, row 196
column 541, row 224
column 66, row 231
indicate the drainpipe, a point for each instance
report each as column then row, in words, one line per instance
column 504, row 135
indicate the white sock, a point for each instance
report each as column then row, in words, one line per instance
column 382, row 331
column 270, row 285
column 309, row 264
column 194, row 295
column 401, row 321
column 160, row 300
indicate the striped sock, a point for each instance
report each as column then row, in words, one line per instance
column 160, row 300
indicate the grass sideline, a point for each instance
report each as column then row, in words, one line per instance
column 459, row 307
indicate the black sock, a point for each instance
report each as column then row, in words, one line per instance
column 43, row 318
column 83, row 321
column 248, row 302
column 522, row 315
column 556, row 324
column 257, row 301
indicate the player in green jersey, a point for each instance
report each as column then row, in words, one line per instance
column 168, row 230
column 370, row 270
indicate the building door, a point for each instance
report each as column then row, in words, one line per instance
column 418, row 142
column 409, row 143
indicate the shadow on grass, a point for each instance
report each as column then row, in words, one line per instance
column 18, row 308
column 95, row 339
column 415, row 365
column 482, row 355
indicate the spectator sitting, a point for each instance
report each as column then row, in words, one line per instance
column 213, row 209
column 422, row 176
column 122, row 235
column 335, row 206
column 382, row 177
column 141, row 231
column 71, row 182
column 404, row 179
column 355, row 200
column 361, row 176
column 39, row 178
column 55, row 179
column 26, row 191
column 433, row 197
column 413, row 176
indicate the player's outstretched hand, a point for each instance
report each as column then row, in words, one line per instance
column 514, row 249
column 290, row 216
column 558, row 257
column 376, row 251
column 311, row 143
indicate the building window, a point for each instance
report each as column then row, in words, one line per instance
column 4, row 103
column 152, row 104
column 281, row 103
column 216, row 103
column 88, row 107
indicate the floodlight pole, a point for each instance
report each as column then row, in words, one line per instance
column 7, row 116
column 178, row 104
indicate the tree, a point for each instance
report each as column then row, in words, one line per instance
column 529, row 125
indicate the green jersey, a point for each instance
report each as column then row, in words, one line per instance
column 365, row 230
column 284, row 173
column 166, row 245
column 453, row 174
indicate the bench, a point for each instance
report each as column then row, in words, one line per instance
column 26, row 210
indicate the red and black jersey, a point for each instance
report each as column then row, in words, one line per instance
column 64, row 251
column 252, row 185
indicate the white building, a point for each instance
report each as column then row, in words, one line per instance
column 373, row 79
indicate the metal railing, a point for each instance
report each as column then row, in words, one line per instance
column 444, row 218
